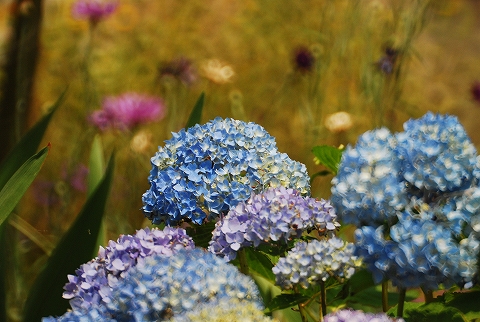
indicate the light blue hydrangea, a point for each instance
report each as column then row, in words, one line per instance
column 275, row 215
column 204, row 171
column 226, row 309
column 421, row 251
column 317, row 260
column 425, row 235
column 96, row 313
column 436, row 153
column 349, row 315
column 160, row 287
column 93, row 279
column 368, row 188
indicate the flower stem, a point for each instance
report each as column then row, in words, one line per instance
column 385, row 296
column 323, row 300
column 242, row 257
column 428, row 295
column 401, row 302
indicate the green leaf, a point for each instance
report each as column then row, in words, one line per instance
column 370, row 299
column 467, row 302
column 201, row 234
column 433, row 312
column 27, row 146
column 284, row 301
column 19, row 182
column 196, row 114
column 75, row 248
column 260, row 263
column 361, row 280
column 329, row 156
column 32, row 233
column 96, row 165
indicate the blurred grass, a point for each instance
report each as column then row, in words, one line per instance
column 437, row 64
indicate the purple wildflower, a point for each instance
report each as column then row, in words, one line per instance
column 93, row 10
column 180, row 68
column 348, row 315
column 277, row 214
column 127, row 111
column 475, row 90
column 94, row 279
column 304, row 59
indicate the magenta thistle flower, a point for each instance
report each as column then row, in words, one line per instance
column 93, row 10
column 126, row 111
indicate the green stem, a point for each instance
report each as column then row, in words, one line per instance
column 301, row 310
column 401, row 302
column 323, row 300
column 242, row 257
column 385, row 296
column 428, row 295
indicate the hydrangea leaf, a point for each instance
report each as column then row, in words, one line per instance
column 18, row 184
column 435, row 311
column 361, row 280
column 75, row 248
column 284, row 301
column 260, row 263
column 370, row 299
column 196, row 114
column 329, row 156
column 466, row 302
column 201, row 234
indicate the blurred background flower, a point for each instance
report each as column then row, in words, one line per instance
column 127, row 111
column 94, row 10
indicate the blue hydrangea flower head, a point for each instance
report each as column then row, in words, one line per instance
column 422, row 251
column 204, row 171
column 275, row 215
column 368, row 188
column 349, row 315
column 227, row 309
column 93, row 279
column 162, row 287
column 436, row 153
column 317, row 260
column 92, row 314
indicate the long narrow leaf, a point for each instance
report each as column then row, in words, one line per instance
column 96, row 165
column 32, row 233
column 19, row 182
column 196, row 114
column 27, row 146
column 75, row 248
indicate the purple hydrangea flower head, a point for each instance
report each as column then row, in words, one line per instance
column 161, row 287
column 94, row 279
column 204, row 171
column 226, row 309
column 368, row 188
column 126, row 111
column 317, row 260
column 276, row 215
column 93, row 10
column 348, row 315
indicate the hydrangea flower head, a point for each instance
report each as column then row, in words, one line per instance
column 204, row 171
column 367, row 189
column 126, row 111
column 436, row 153
column 160, row 286
column 348, row 315
column 226, row 309
column 88, row 286
column 94, row 10
column 277, row 214
column 317, row 260
column 422, row 251
column 92, row 314
column 423, row 234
